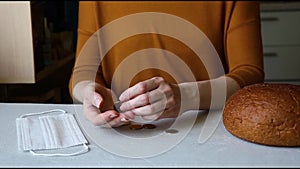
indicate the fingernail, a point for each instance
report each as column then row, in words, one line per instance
column 124, row 119
column 121, row 108
column 97, row 100
column 122, row 97
column 113, row 116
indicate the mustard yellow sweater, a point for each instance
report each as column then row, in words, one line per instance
column 233, row 28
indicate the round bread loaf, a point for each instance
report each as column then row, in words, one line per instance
column 265, row 113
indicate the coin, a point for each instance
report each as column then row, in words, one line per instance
column 135, row 126
column 117, row 106
column 149, row 126
column 171, row 131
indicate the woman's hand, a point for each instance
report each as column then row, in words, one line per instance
column 151, row 99
column 98, row 106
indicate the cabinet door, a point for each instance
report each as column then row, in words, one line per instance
column 280, row 28
column 16, row 47
column 282, row 63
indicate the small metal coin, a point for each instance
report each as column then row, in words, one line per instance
column 135, row 126
column 117, row 106
column 171, row 131
column 149, row 126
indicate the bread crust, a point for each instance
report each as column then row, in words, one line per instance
column 265, row 113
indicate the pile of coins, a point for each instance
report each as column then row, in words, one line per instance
column 137, row 126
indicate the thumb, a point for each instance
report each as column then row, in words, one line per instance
column 97, row 100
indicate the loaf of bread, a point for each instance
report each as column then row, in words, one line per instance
column 265, row 113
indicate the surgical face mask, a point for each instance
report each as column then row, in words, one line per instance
column 38, row 132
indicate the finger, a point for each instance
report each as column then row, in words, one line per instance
column 97, row 100
column 152, row 117
column 150, row 109
column 92, row 97
column 136, row 102
column 155, row 107
column 140, row 88
column 116, row 122
column 95, row 117
column 128, row 115
column 112, row 124
column 170, row 113
column 143, row 99
column 147, row 118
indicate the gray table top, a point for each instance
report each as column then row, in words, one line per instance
column 221, row 149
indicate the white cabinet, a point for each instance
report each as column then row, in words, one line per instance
column 281, row 28
column 280, row 25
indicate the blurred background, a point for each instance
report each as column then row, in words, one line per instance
column 38, row 44
column 53, row 30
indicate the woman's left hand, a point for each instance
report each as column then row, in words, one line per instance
column 152, row 99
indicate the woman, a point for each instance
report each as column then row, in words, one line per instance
column 150, row 35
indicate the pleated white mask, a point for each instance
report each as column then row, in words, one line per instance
column 40, row 132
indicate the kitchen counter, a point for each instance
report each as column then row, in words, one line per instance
column 220, row 150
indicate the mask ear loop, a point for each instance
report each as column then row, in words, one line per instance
column 43, row 112
column 86, row 149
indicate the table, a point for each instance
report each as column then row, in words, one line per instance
column 221, row 150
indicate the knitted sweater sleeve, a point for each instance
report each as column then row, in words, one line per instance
column 244, row 44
